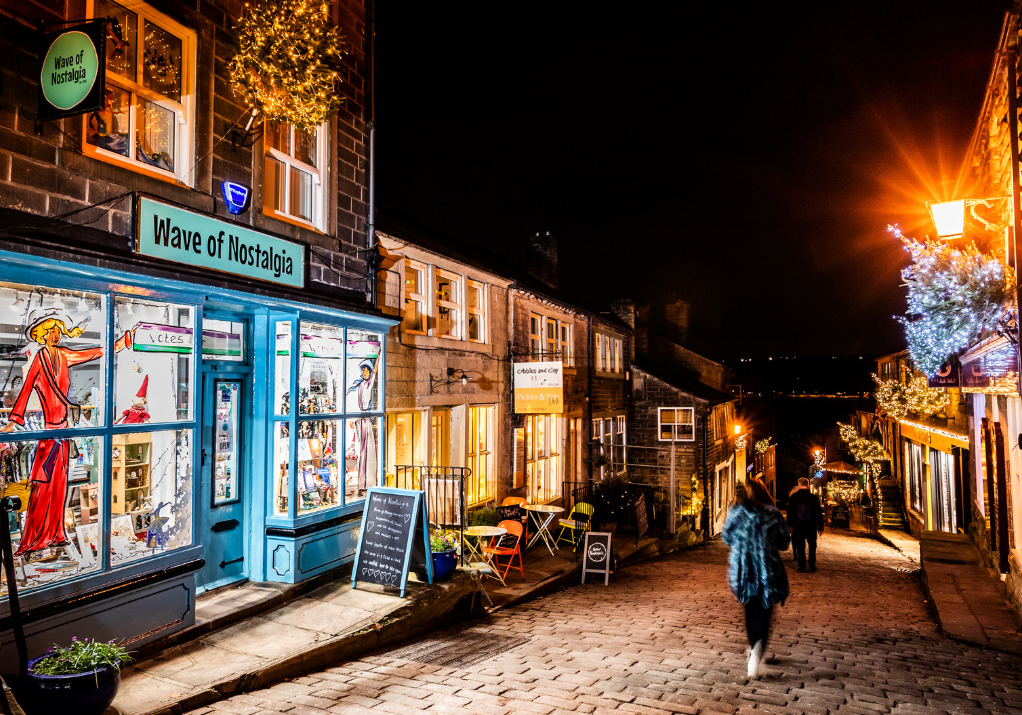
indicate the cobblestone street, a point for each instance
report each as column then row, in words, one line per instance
column 856, row 637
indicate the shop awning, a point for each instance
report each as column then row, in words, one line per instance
column 841, row 468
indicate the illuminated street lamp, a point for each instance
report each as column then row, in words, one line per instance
column 948, row 217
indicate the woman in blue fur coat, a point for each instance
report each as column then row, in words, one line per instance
column 756, row 531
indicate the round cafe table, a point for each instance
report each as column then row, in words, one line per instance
column 489, row 533
column 543, row 524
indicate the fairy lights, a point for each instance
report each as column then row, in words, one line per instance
column 763, row 445
column 863, row 449
column 897, row 400
column 954, row 295
column 283, row 66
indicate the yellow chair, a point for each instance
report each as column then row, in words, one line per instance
column 576, row 524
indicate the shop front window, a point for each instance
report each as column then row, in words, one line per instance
column 223, row 340
column 281, row 464
column 318, row 474
column 320, row 370
column 480, row 485
column 362, row 362
column 543, row 457
column 404, row 432
column 361, row 457
column 282, row 369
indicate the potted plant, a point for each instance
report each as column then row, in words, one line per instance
column 82, row 678
column 445, row 548
column 612, row 501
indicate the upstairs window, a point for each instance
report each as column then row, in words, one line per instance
column 609, row 354
column 448, row 305
column 293, row 186
column 476, row 311
column 536, row 336
column 677, row 424
column 567, row 350
column 415, row 299
column 147, row 115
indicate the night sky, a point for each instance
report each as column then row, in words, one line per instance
column 745, row 158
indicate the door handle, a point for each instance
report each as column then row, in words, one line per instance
column 224, row 526
column 233, row 561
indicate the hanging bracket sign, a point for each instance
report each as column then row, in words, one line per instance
column 394, row 539
column 538, row 387
column 176, row 234
column 72, row 79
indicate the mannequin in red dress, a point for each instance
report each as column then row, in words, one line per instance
column 49, row 375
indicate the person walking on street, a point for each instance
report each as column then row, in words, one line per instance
column 805, row 521
column 755, row 531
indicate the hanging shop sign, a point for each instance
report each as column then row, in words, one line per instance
column 539, row 388
column 72, row 80
column 991, row 368
column 236, row 196
column 949, row 375
column 394, row 539
column 171, row 233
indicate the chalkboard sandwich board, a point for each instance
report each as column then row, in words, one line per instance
column 394, row 539
column 598, row 555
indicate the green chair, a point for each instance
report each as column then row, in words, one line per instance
column 576, row 524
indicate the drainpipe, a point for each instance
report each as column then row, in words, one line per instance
column 589, row 392
column 371, row 128
column 707, row 511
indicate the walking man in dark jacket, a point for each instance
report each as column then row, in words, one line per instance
column 805, row 521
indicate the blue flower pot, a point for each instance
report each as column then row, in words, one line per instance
column 81, row 693
column 444, row 564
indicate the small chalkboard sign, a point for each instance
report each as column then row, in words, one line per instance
column 641, row 517
column 598, row 555
column 512, row 512
column 394, row 538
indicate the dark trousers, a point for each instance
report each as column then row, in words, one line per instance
column 757, row 621
column 800, row 539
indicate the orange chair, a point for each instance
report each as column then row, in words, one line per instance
column 521, row 504
column 515, row 528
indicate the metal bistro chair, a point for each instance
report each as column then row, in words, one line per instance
column 521, row 503
column 514, row 528
column 576, row 524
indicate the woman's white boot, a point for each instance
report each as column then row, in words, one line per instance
column 755, row 659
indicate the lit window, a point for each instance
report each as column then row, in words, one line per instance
column 480, row 485
column 677, row 424
column 476, row 311
column 415, row 300
column 567, row 350
column 147, row 114
column 543, row 462
column 293, row 185
column 536, row 336
column 448, row 305
column 551, row 339
column 609, row 354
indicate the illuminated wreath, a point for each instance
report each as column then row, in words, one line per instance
column 284, row 65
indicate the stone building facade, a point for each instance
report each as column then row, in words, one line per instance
column 448, row 372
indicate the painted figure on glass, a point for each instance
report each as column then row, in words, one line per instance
column 49, row 376
column 363, row 438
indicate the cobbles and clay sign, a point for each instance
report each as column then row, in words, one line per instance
column 539, row 388
column 393, row 538
column 71, row 80
column 176, row 234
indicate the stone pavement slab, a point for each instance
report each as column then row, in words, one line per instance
column 855, row 637
column 969, row 601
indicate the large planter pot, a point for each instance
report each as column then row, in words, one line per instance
column 82, row 693
column 444, row 564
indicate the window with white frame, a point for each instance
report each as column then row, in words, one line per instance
column 677, row 424
column 448, row 304
column 293, row 176
column 543, row 462
column 567, row 349
column 550, row 333
column 620, row 433
column 536, row 336
column 476, row 311
column 609, row 353
column 414, row 317
column 480, row 485
column 147, row 118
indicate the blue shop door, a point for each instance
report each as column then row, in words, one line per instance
column 223, row 480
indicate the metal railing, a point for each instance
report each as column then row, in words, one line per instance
column 443, row 490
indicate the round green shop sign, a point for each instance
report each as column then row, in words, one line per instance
column 69, row 70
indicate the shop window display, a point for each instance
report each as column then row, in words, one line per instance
column 160, row 336
column 282, row 369
column 362, row 360
column 361, row 457
column 321, row 370
column 281, row 464
column 318, row 473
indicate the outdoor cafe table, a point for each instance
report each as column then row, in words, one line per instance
column 489, row 533
column 543, row 525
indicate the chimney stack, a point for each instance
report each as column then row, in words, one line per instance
column 543, row 258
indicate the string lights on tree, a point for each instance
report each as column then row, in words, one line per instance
column 863, row 449
column 898, row 400
column 954, row 295
column 283, row 68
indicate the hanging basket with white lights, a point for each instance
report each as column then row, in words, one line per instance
column 285, row 65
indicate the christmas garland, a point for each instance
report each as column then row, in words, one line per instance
column 954, row 295
column 763, row 445
column 863, row 449
column 897, row 400
column 283, row 66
